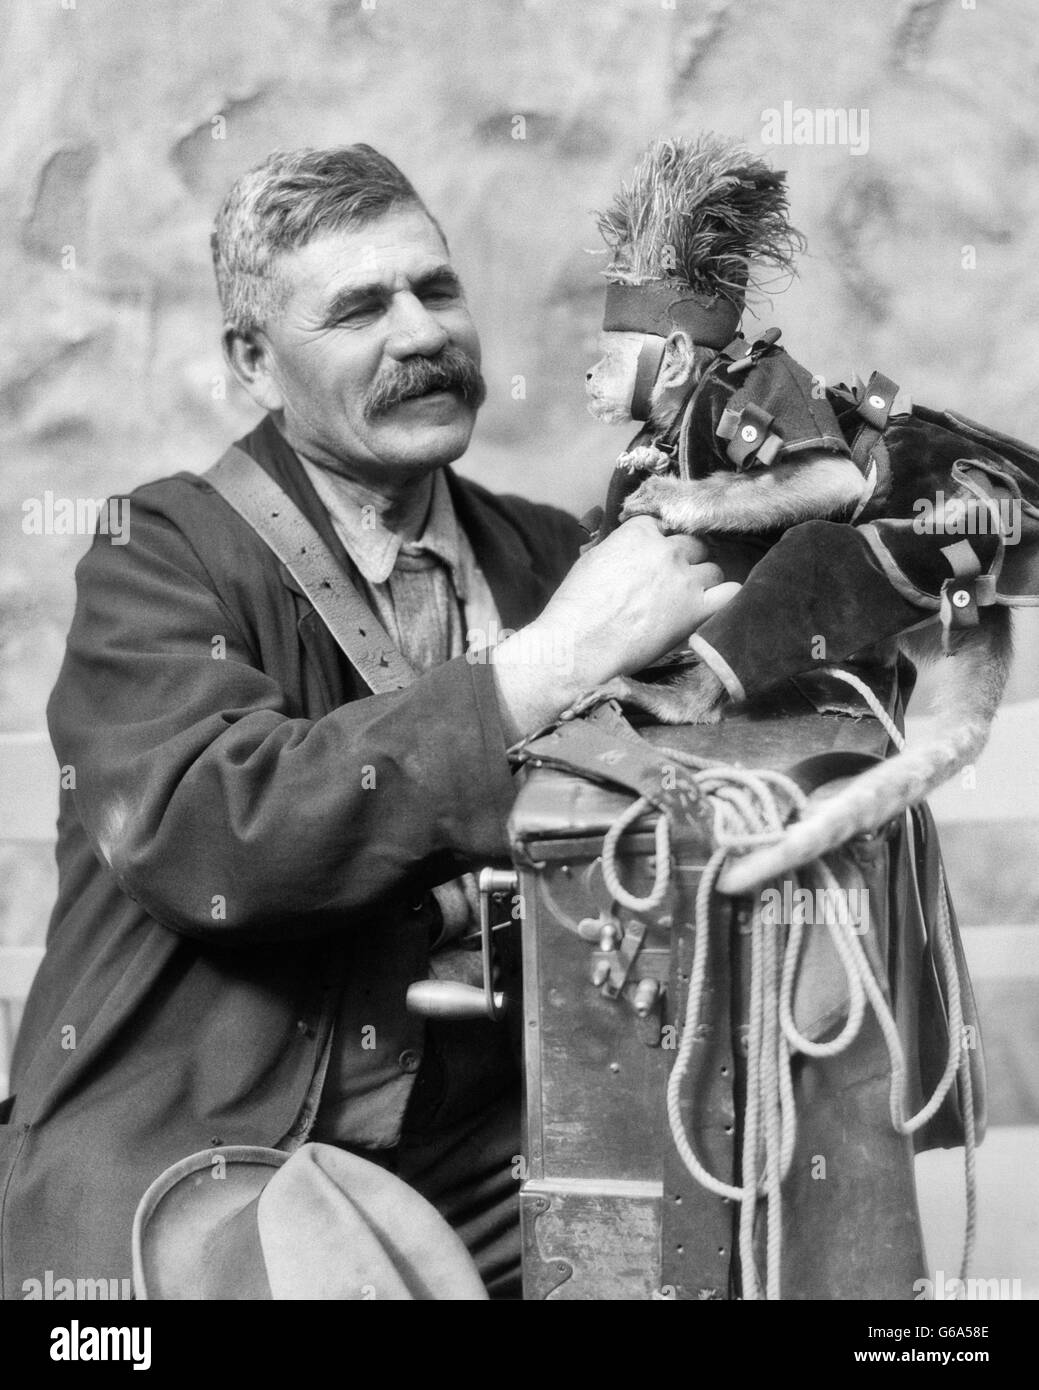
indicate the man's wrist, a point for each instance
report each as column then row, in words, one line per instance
column 535, row 677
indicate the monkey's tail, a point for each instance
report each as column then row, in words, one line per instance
column 973, row 684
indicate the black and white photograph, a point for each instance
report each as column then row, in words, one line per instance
column 519, row 662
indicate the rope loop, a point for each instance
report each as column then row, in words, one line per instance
column 752, row 808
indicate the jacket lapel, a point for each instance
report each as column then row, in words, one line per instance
column 520, row 590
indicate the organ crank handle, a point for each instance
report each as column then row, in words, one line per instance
column 452, row 998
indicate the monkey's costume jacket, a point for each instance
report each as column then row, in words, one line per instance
column 948, row 522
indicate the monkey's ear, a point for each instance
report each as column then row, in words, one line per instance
column 678, row 366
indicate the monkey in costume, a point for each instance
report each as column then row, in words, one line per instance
column 855, row 519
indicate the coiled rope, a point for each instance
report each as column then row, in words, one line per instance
column 751, row 808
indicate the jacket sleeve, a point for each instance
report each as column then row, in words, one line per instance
column 818, row 596
column 216, row 806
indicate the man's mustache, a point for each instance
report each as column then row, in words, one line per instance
column 451, row 370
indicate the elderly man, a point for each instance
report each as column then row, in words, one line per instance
column 258, row 854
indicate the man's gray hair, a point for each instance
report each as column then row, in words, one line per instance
column 293, row 196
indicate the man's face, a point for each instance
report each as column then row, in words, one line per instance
column 610, row 384
column 370, row 316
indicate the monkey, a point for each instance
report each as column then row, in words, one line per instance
column 812, row 485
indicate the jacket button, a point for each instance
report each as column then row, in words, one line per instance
column 409, row 1059
column 304, row 1028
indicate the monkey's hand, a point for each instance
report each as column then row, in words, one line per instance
column 668, row 499
column 694, row 697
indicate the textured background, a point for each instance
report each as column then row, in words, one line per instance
column 124, row 123
column 110, row 371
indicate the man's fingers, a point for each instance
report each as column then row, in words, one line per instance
column 718, row 595
column 635, row 524
column 691, row 548
column 708, row 575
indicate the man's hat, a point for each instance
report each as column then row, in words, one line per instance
column 251, row 1223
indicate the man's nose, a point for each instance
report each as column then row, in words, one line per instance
column 414, row 330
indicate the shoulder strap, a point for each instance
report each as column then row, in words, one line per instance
column 272, row 514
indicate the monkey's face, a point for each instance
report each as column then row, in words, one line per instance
column 610, row 384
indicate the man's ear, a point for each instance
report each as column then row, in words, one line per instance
column 249, row 356
column 677, row 370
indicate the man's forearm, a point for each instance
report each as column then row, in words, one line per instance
column 200, row 780
column 535, row 682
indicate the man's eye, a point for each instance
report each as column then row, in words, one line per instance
column 441, row 294
column 363, row 313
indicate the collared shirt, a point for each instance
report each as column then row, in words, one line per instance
column 429, row 593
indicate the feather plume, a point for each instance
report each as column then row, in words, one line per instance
column 707, row 212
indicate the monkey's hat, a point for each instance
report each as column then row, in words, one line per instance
column 700, row 226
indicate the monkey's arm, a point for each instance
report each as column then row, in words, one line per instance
column 818, row 596
column 815, row 484
column 693, row 697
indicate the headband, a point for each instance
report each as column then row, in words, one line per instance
column 662, row 306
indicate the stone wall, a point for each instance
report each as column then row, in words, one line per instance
column 125, row 121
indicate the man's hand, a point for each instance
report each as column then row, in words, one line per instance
column 624, row 604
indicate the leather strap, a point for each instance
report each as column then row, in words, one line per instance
column 276, row 519
column 651, row 354
column 604, row 748
column 752, row 440
column 877, row 403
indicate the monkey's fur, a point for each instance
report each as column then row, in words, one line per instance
column 814, row 485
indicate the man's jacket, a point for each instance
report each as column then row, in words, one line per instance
column 242, row 836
